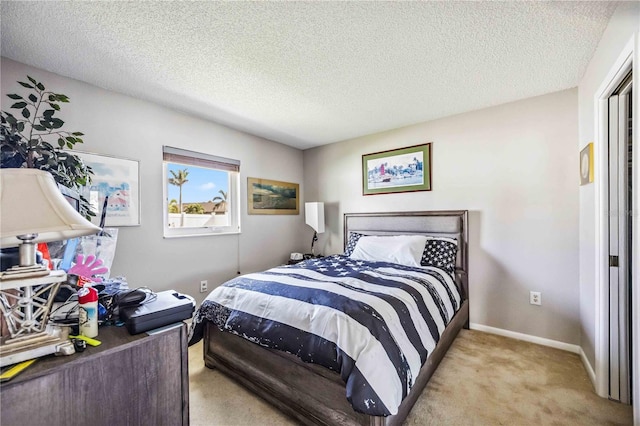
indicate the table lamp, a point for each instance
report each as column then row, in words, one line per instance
column 32, row 210
column 314, row 217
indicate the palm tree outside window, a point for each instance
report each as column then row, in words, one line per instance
column 178, row 179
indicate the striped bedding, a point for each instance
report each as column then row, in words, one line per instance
column 374, row 323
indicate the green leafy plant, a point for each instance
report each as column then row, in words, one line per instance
column 26, row 139
column 173, row 206
column 194, row 209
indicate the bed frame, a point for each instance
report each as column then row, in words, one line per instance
column 316, row 395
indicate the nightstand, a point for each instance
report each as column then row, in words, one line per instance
column 306, row 256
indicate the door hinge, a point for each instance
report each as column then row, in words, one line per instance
column 613, row 260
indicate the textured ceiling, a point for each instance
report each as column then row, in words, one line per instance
column 311, row 73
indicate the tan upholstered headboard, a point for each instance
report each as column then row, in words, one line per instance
column 452, row 223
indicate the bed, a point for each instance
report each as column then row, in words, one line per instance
column 290, row 376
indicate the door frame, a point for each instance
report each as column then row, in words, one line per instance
column 625, row 63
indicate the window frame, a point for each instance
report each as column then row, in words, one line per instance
column 188, row 158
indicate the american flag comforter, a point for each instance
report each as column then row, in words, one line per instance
column 375, row 323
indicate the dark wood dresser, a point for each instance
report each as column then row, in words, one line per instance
column 127, row 380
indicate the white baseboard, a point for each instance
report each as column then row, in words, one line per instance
column 540, row 341
column 587, row 366
column 527, row 338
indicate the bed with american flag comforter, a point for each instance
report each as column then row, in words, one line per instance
column 375, row 323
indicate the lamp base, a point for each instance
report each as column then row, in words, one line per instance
column 313, row 242
column 54, row 340
column 25, row 305
column 20, row 272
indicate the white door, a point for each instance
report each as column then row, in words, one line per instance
column 620, row 244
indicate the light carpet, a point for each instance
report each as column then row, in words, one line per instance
column 483, row 380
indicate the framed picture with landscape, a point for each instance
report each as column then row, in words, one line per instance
column 272, row 197
column 397, row 170
column 115, row 189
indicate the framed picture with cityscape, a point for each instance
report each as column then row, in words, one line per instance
column 397, row 170
column 272, row 197
column 115, row 189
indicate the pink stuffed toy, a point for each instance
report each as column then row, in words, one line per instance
column 88, row 268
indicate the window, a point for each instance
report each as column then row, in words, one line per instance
column 201, row 193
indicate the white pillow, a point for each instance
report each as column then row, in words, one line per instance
column 403, row 249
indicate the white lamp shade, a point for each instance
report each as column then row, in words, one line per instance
column 31, row 203
column 314, row 216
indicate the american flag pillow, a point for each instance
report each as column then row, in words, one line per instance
column 440, row 252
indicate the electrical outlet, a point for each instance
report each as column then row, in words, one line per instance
column 535, row 298
column 203, row 286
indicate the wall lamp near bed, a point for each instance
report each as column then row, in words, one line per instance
column 314, row 217
column 33, row 211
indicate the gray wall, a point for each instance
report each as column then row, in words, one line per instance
column 515, row 168
column 122, row 126
column 624, row 23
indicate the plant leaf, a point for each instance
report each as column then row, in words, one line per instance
column 26, row 85
column 20, row 126
column 19, row 105
column 48, row 113
column 61, row 98
column 55, row 106
column 60, row 142
column 33, row 98
column 14, row 96
column 11, row 119
column 39, row 128
column 56, row 123
column 26, row 113
column 40, row 86
column 77, row 134
column 32, row 80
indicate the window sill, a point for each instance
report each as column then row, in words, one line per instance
column 203, row 234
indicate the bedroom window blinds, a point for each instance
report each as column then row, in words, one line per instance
column 201, row 193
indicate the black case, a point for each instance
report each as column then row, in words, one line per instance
column 168, row 307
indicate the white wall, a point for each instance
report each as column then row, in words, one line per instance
column 515, row 168
column 122, row 126
column 623, row 27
